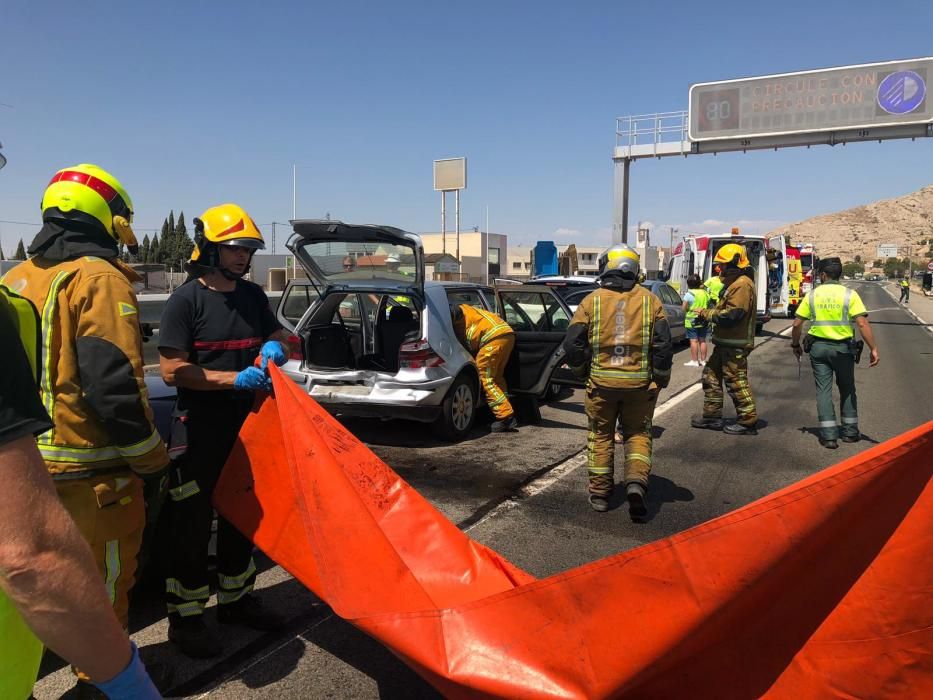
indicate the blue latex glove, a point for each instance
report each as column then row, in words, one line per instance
column 252, row 379
column 132, row 683
column 272, row 350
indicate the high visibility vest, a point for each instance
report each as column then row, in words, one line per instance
column 714, row 286
column 905, row 282
column 829, row 312
column 20, row 650
column 701, row 299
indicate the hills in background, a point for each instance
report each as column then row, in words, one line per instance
column 906, row 220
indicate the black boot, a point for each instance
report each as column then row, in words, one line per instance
column 708, row 423
column 505, row 425
column 637, row 505
column 599, row 503
column 193, row 637
column 830, row 444
column 739, row 429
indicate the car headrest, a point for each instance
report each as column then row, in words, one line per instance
column 400, row 314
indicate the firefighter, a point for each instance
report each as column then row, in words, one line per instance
column 905, row 290
column 830, row 308
column 490, row 340
column 211, row 331
column 91, row 370
column 619, row 337
column 733, row 321
column 47, row 593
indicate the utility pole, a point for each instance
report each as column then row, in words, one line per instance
column 273, row 238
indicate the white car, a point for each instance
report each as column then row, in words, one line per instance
column 377, row 340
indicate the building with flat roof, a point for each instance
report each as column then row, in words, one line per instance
column 482, row 255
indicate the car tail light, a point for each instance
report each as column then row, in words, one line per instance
column 418, row 354
column 294, row 348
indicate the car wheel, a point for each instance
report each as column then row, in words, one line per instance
column 458, row 411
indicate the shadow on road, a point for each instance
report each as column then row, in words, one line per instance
column 660, row 491
column 393, row 678
column 815, row 432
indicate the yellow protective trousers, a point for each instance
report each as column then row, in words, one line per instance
column 490, row 362
column 729, row 365
column 110, row 514
column 633, row 409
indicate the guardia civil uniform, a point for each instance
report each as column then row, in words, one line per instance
column 830, row 308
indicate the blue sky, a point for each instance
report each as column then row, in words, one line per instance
column 192, row 104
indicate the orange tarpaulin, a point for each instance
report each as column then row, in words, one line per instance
column 822, row 589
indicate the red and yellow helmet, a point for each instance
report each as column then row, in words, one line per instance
column 226, row 224
column 91, row 195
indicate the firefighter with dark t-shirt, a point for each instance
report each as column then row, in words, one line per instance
column 213, row 328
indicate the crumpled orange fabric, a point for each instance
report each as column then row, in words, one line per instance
column 822, row 589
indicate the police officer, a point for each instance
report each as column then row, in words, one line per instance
column 905, row 290
column 619, row 337
column 733, row 321
column 830, row 308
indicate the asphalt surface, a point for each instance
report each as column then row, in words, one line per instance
column 523, row 494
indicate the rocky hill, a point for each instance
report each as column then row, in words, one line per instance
column 904, row 221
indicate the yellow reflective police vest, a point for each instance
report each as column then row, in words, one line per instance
column 831, row 307
column 20, row 650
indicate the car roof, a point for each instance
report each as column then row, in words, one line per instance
column 568, row 279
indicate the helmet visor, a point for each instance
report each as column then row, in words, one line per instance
column 251, row 243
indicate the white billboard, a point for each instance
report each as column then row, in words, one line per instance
column 450, row 174
column 887, row 250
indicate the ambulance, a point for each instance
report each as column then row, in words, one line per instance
column 694, row 255
column 790, row 275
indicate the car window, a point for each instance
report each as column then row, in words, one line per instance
column 348, row 311
column 557, row 317
column 533, row 311
column 577, row 296
column 296, row 301
column 675, row 297
column 664, row 292
column 465, row 296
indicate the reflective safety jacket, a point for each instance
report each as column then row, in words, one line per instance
column 90, row 373
column 701, row 300
column 714, row 286
column 20, row 650
column 481, row 326
column 830, row 309
column 733, row 318
column 626, row 337
column 905, row 282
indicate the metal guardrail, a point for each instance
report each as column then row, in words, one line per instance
column 651, row 129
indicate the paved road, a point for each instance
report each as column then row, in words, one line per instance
column 510, row 493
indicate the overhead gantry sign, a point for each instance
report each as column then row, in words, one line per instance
column 873, row 101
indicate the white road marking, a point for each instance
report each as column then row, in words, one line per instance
column 578, row 460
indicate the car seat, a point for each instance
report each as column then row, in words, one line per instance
column 392, row 331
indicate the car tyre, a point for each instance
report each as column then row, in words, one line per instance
column 458, row 410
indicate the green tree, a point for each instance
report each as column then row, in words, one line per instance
column 143, row 255
column 850, row 269
column 858, row 258
column 20, row 253
column 155, row 250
